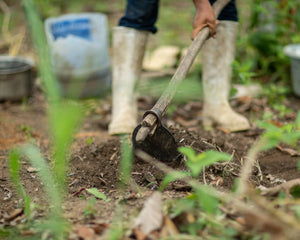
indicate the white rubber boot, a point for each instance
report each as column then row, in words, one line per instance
column 128, row 52
column 218, row 54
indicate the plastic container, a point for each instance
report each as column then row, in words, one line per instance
column 79, row 53
column 16, row 78
column 293, row 51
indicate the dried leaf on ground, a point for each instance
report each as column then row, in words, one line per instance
column 169, row 228
column 290, row 151
column 17, row 212
column 85, row 233
column 151, row 216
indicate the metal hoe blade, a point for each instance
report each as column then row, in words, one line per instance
column 160, row 145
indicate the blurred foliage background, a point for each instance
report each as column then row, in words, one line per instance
column 265, row 28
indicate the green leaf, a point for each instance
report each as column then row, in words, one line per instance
column 211, row 157
column 45, row 174
column 290, row 138
column 97, row 194
column 173, row 176
column 188, row 152
column 64, row 121
column 205, row 159
column 89, row 141
column 295, row 191
column 14, row 168
column 4, row 233
column 180, row 205
column 269, row 143
column 206, row 200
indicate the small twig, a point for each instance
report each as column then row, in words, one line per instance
column 102, row 180
column 285, row 187
column 204, row 179
column 260, row 174
column 248, row 166
column 289, row 151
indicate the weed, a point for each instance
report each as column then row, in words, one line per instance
column 196, row 162
column 64, row 119
column 26, row 129
column 14, row 169
column 276, row 93
column 89, row 141
column 90, row 210
column 243, row 72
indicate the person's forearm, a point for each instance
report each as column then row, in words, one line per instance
column 199, row 3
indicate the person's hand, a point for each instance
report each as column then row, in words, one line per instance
column 204, row 17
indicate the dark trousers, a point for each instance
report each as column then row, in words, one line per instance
column 142, row 14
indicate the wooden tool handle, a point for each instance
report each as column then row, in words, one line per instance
column 164, row 101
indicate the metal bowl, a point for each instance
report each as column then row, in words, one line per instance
column 16, row 78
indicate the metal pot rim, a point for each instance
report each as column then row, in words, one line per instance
column 28, row 64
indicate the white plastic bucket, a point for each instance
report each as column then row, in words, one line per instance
column 293, row 51
column 78, row 45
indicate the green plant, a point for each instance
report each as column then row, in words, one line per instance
column 27, row 130
column 196, row 162
column 89, row 141
column 243, row 72
column 90, row 210
column 14, row 171
column 269, row 27
column 273, row 135
column 276, row 93
column 64, row 118
column 282, row 109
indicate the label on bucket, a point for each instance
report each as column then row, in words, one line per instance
column 78, row 27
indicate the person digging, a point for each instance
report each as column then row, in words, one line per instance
column 218, row 52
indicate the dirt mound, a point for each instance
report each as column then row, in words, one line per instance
column 97, row 165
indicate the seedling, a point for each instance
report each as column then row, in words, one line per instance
column 27, row 130
column 90, row 210
column 196, row 162
column 89, row 141
column 64, row 119
column 14, row 169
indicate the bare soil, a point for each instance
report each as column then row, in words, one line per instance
column 95, row 163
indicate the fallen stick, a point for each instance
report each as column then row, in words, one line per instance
column 285, row 187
